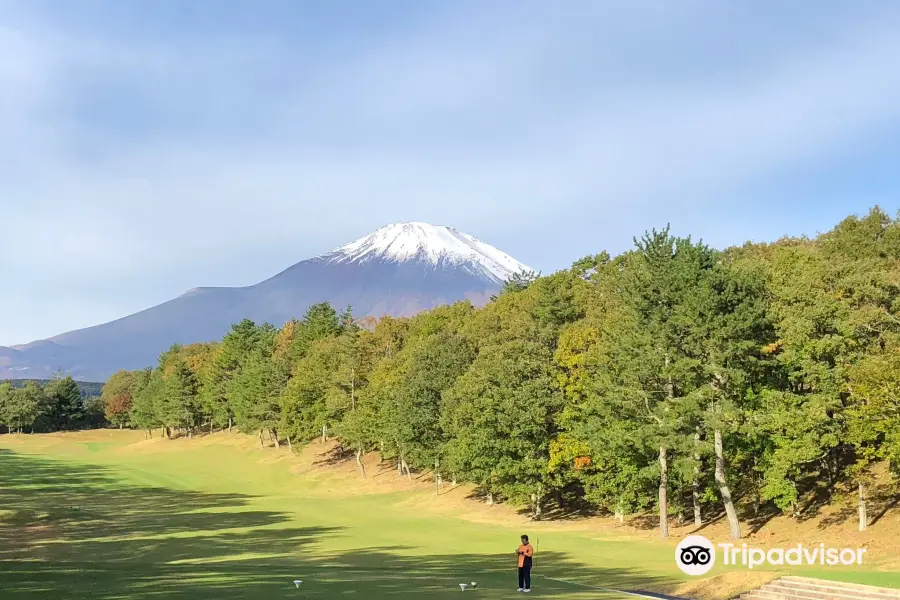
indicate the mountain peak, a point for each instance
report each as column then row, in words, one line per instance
column 398, row 270
column 434, row 244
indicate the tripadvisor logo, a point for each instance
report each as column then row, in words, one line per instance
column 696, row 555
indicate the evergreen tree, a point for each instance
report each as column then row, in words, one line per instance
column 500, row 417
column 21, row 407
column 146, row 411
column 226, row 362
column 518, row 282
column 257, row 389
column 64, row 402
column 6, row 391
column 179, row 401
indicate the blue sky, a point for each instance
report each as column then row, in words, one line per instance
column 148, row 147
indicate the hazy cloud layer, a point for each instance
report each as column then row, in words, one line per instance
column 146, row 148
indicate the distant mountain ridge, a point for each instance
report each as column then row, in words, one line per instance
column 398, row 270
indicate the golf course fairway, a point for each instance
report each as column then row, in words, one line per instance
column 107, row 514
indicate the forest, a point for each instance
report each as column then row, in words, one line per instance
column 674, row 379
column 44, row 405
column 87, row 388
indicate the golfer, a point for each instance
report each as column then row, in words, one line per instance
column 525, row 552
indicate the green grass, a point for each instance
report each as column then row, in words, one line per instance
column 214, row 521
column 98, row 446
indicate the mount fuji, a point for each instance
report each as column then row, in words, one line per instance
column 397, row 270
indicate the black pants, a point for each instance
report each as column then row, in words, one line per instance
column 525, row 577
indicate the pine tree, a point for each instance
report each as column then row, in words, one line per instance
column 64, row 402
column 180, row 404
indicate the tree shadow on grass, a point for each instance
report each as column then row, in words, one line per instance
column 838, row 517
column 763, row 516
column 74, row 531
column 553, row 510
column 882, row 500
column 333, row 456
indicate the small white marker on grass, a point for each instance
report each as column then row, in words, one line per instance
column 297, row 583
column 463, row 586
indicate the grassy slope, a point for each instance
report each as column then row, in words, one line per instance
column 106, row 515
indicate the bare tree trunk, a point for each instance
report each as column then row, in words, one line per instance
column 290, row 445
column 362, row 467
column 453, row 481
column 260, row 439
column 733, row 522
column 190, row 433
column 695, row 486
column 490, row 498
column 664, row 468
column 275, row 437
column 437, row 478
column 663, row 493
column 863, row 508
column 757, row 495
column 399, row 467
column 536, row 502
column 324, row 433
column 405, row 466
column 229, row 423
column 210, row 426
column 121, row 426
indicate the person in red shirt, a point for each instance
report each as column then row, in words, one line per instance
column 525, row 553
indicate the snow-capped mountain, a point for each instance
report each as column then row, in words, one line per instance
column 429, row 244
column 397, row 270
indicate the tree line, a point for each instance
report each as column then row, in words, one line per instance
column 58, row 404
column 674, row 378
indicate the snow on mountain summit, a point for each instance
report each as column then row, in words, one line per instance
column 436, row 245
